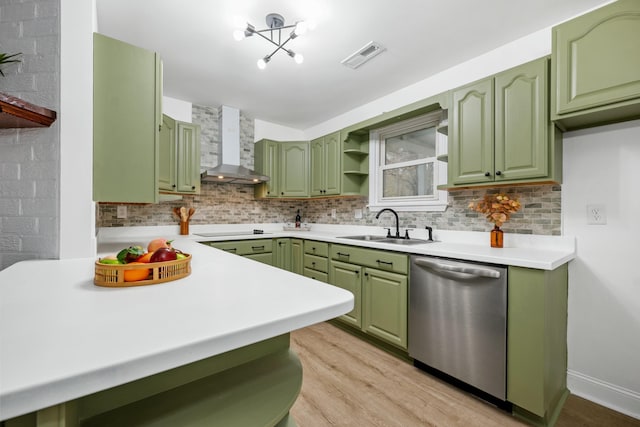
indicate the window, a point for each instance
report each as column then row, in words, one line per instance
column 404, row 169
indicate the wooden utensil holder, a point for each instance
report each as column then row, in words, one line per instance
column 184, row 228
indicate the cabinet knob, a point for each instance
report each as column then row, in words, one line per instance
column 487, row 174
column 498, row 173
column 193, row 187
column 282, row 194
column 173, row 186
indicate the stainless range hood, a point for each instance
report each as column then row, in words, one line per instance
column 229, row 169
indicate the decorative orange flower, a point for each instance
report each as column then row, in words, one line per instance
column 497, row 208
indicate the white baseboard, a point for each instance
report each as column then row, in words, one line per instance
column 603, row 393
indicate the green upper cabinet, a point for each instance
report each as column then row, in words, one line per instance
column 287, row 166
column 127, row 95
column 267, row 162
column 179, row 153
column 294, row 169
column 500, row 131
column 326, row 168
column 471, row 134
column 596, row 63
column 355, row 162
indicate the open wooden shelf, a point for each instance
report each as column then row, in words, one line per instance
column 16, row 113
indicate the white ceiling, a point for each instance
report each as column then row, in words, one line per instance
column 203, row 64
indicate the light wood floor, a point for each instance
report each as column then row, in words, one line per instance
column 348, row 382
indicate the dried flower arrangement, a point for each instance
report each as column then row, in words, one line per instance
column 496, row 207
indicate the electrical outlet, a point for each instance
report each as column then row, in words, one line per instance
column 121, row 212
column 596, row 214
column 358, row 214
column 333, row 213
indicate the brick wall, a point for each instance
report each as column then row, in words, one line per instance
column 30, row 158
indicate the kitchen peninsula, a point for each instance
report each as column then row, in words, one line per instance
column 211, row 346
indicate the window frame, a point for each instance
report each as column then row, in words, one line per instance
column 407, row 203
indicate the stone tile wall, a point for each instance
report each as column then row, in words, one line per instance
column 30, row 158
column 233, row 204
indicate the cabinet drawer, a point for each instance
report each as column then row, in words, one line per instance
column 382, row 260
column 244, row 247
column 318, row 275
column 316, row 263
column 266, row 258
column 316, row 248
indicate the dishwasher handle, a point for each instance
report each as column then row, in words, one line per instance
column 466, row 270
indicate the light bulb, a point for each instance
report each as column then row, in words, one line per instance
column 301, row 28
column 238, row 35
column 298, row 58
column 262, row 64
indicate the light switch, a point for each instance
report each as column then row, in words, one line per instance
column 358, row 214
column 121, row 212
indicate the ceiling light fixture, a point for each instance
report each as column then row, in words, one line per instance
column 275, row 24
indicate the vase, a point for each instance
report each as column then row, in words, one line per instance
column 497, row 237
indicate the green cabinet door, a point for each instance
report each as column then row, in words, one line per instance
column 333, row 164
column 521, row 122
column 348, row 277
column 179, row 157
column 265, row 258
column 282, row 254
column 294, row 169
column 471, row 134
column 297, row 256
column 167, row 155
column 126, row 121
column 267, row 162
column 317, row 158
column 188, row 158
column 596, row 58
column 384, row 306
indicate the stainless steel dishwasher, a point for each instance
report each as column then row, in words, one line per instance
column 458, row 321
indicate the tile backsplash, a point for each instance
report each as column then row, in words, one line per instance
column 235, row 204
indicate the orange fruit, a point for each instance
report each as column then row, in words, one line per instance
column 137, row 274
column 146, row 258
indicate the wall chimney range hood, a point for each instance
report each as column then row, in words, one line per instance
column 229, row 169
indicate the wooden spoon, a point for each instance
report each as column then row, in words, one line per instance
column 183, row 214
column 191, row 212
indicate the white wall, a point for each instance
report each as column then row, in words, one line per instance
column 77, row 210
column 177, row 109
column 601, row 167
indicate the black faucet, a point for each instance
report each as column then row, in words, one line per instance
column 430, row 230
column 397, row 221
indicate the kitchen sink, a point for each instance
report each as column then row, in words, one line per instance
column 383, row 239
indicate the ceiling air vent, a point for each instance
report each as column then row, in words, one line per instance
column 364, row 54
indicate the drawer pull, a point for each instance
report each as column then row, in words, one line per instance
column 230, row 250
column 313, row 263
column 384, row 262
column 341, row 254
column 256, row 248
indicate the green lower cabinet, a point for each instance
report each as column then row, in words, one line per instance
column 282, row 254
column 348, row 277
column 266, row 258
column 297, row 256
column 384, row 306
column 380, row 297
column 537, row 343
column 265, row 377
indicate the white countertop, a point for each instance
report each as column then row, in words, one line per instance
column 62, row 337
column 522, row 250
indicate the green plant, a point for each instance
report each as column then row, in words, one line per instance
column 5, row 58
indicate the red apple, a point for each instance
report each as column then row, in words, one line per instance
column 164, row 254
